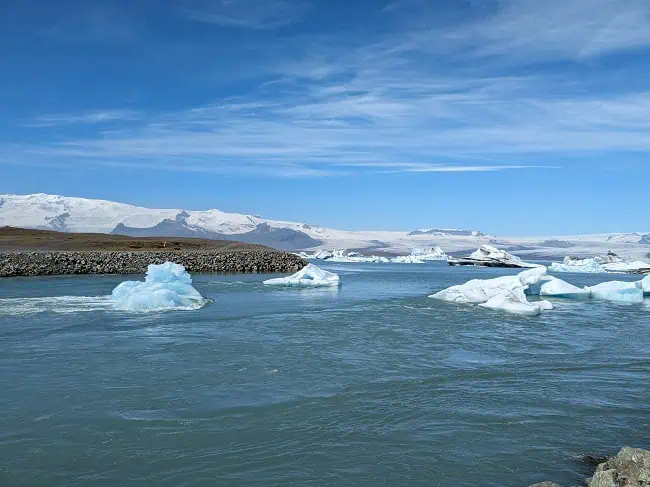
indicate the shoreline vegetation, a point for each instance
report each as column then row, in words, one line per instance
column 42, row 253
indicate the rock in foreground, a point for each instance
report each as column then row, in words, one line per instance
column 630, row 468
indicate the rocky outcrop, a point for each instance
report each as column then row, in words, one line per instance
column 630, row 468
column 123, row 262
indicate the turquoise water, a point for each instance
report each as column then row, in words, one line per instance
column 373, row 384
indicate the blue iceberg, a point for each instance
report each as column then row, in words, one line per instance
column 166, row 286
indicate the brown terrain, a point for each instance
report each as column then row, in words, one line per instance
column 24, row 240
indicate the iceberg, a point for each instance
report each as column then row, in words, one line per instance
column 321, row 255
column 406, row 259
column 506, row 293
column 610, row 262
column 309, row 276
column 166, row 286
column 571, row 264
column 489, row 256
column 515, row 302
column 433, row 253
column 628, row 267
column 644, row 284
column 624, row 292
column 561, row 289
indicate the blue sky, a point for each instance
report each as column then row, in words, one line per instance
column 514, row 117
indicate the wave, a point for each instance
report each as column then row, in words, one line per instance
column 54, row 304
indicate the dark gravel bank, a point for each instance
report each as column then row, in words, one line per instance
column 124, row 262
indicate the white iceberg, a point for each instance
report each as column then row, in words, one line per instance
column 571, row 264
column 561, row 289
column 610, row 262
column 309, row 276
column 515, row 302
column 321, row 255
column 625, row 267
column 489, row 256
column 406, row 259
column 166, row 286
column 433, row 253
column 506, row 293
column 644, row 284
column 624, row 292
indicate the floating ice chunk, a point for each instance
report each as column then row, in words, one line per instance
column 570, row 264
column 635, row 266
column 562, row 289
column 434, row 253
column 545, row 305
column 322, row 255
column 490, row 256
column 406, row 259
column 532, row 276
column 166, row 286
column 309, row 276
column 607, row 263
column 513, row 302
column 626, row 292
column 644, row 284
column 506, row 293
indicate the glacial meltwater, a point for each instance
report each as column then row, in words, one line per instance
column 368, row 384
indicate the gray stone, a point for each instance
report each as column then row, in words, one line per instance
column 121, row 262
column 630, row 468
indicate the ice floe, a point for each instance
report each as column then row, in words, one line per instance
column 406, row 259
column 610, row 262
column 644, row 284
column 561, row 289
column 489, row 256
column 433, row 253
column 506, row 293
column 620, row 291
column 309, row 276
column 166, row 286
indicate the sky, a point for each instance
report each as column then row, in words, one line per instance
column 514, row 117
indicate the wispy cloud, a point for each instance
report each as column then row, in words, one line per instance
column 459, row 98
column 86, row 118
column 267, row 14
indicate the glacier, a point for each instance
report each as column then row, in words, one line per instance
column 166, row 286
column 309, row 276
column 506, row 293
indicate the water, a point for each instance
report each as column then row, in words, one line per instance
column 370, row 385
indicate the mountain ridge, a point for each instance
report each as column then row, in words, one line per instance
column 84, row 215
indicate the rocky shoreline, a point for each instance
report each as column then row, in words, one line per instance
column 13, row 264
column 629, row 468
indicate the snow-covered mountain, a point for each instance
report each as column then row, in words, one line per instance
column 77, row 215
